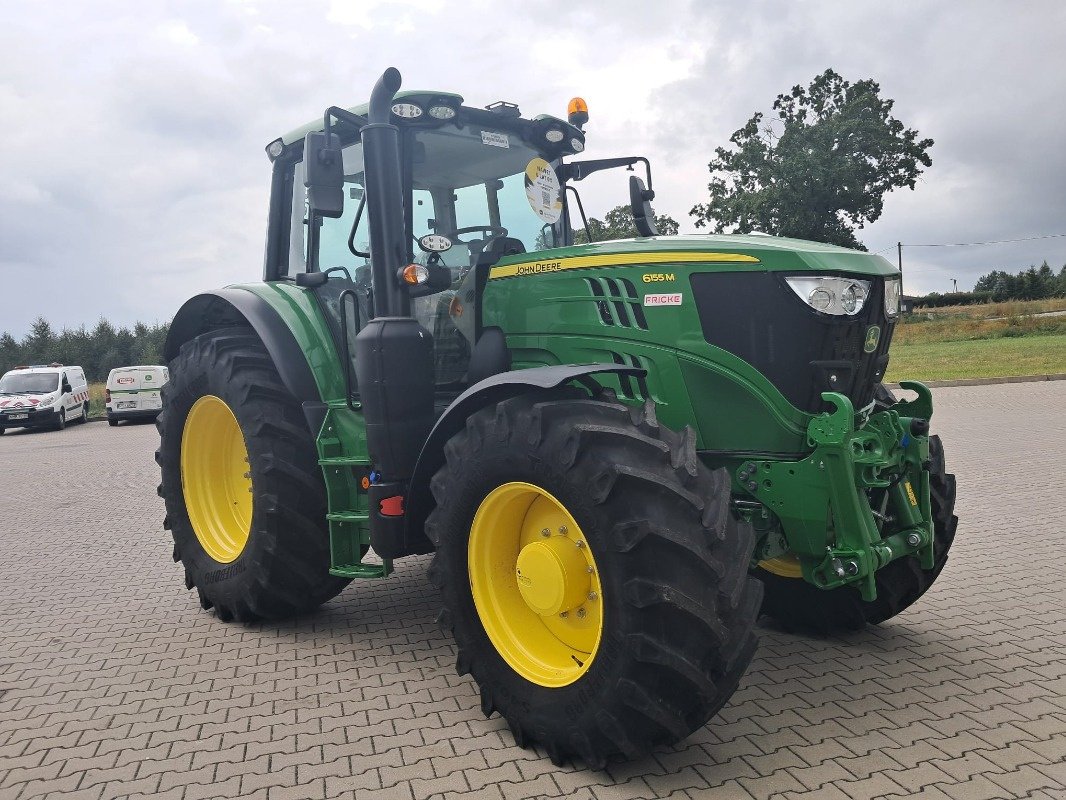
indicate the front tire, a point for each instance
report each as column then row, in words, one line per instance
column 61, row 420
column 244, row 494
column 798, row 605
column 664, row 559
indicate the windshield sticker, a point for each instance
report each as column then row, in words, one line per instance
column 542, row 190
column 672, row 299
column 495, row 139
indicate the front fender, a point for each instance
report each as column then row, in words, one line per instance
column 490, row 391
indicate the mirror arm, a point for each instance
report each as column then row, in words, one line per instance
column 579, row 170
column 342, row 115
column 355, row 226
column 581, row 210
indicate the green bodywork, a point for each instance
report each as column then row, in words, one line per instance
column 341, row 442
column 803, row 480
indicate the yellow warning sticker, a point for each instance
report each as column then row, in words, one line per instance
column 910, row 493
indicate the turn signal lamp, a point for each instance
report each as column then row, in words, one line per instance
column 577, row 112
column 414, row 274
column 892, row 296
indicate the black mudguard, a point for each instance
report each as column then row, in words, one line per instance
column 227, row 307
column 487, row 392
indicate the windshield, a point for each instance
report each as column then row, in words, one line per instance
column 488, row 182
column 29, row 383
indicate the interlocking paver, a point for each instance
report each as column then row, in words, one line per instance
column 113, row 682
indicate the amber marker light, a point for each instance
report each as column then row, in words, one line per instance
column 414, row 274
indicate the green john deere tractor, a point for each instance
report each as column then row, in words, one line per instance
column 619, row 452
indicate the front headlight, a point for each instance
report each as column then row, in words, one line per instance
column 893, row 291
column 831, row 295
column 45, row 402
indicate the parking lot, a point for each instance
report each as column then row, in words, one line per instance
column 114, row 683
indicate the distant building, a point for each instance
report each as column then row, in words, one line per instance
column 906, row 303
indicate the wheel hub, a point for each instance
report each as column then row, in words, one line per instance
column 535, row 584
column 552, row 576
column 215, row 479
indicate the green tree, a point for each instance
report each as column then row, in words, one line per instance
column 618, row 224
column 820, row 170
column 39, row 345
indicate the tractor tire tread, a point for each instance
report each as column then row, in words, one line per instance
column 690, row 610
column 283, row 571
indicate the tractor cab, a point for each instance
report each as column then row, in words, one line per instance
column 477, row 185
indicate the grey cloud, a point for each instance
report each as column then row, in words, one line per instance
column 134, row 135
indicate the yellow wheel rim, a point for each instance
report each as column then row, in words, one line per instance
column 215, row 479
column 535, row 584
column 786, row 566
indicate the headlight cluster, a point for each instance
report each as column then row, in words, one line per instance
column 44, row 402
column 831, row 295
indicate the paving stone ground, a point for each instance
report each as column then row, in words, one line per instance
column 113, row 682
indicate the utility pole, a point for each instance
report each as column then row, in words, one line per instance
column 899, row 250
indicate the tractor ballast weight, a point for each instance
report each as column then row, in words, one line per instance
column 614, row 450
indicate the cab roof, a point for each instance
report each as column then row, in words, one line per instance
column 505, row 116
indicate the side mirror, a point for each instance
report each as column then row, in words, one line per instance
column 324, row 171
column 67, row 388
column 640, row 203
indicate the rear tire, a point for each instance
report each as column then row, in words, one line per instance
column 113, row 423
column 282, row 568
column 677, row 608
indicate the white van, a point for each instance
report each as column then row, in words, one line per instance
column 133, row 393
column 43, row 396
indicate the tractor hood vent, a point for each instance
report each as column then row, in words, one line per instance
column 618, row 303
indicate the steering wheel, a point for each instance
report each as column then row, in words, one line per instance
column 495, row 232
column 477, row 246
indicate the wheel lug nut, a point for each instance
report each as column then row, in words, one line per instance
column 581, row 612
column 564, row 614
column 545, row 532
column 579, row 543
column 563, row 530
column 590, row 570
column 592, row 595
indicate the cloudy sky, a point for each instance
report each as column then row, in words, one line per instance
column 133, row 133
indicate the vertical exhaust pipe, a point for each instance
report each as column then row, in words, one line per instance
column 384, row 204
column 393, row 353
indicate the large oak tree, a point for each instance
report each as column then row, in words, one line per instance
column 820, row 170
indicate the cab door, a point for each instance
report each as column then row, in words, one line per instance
column 67, row 399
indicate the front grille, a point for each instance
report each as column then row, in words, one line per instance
column 757, row 317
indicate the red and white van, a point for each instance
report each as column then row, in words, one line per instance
column 43, row 396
